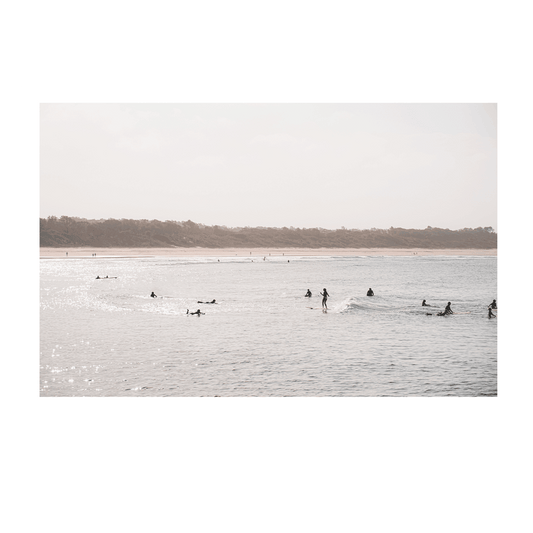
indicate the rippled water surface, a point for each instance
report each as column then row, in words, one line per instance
column 107, row 337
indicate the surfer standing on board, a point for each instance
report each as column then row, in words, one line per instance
column 325, row 296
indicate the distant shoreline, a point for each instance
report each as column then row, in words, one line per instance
column 87, row 252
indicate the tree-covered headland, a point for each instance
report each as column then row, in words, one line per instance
column 126, row 233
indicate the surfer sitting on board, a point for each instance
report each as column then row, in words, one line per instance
column 493, row 305
column 370, row 292
column 195, row 313
column 308, row 295
column 424, row 304
column 325, row 296
column 153, row 295
column 447, row 310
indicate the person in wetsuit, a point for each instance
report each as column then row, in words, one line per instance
column 491, row 314
column 308, row 295
column 153, row 295
column 212, row 302
column 493, row 305
column 370, row 292
column 195, row 313
column 325, row 296
column 447, row 310
column 424, row 304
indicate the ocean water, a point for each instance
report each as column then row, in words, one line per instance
column 108, row 337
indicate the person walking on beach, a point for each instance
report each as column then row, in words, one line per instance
column 325, row 296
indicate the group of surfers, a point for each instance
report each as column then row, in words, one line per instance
column 325, row 295
column 370, row 292
column 448, row 309
column 197, row 312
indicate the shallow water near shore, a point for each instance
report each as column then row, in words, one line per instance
column 107, row 337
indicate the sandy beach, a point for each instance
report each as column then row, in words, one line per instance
column 77, row 253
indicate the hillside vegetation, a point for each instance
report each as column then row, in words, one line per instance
column 126, row 233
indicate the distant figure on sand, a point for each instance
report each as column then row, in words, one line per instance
column 308, row 295
column 325, row 296
column 370, row 292
column 195, row 313
column 153, row 295
column 491, row 314
column 493, row 305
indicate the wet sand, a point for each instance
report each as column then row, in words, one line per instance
column 77, row 253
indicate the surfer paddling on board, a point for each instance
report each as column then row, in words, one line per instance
column 213, row 302
column 195, row 313
column 308, row 295
column 325, row 296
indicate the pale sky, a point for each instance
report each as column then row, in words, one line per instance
column 301, row 165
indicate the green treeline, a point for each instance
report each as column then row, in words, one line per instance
column 126, row 233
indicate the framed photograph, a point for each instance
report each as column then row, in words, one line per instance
column 300, row 251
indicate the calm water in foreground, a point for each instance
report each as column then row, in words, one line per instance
column 109, row 338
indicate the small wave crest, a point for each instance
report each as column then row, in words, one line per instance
column 370, row 304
